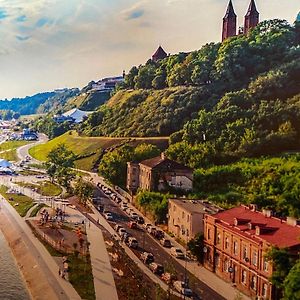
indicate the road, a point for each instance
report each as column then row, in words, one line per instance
column 149, row 244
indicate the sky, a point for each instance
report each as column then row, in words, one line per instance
column 50, row 44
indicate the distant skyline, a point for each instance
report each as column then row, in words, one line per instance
column 52, row 44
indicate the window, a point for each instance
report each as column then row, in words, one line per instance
column 254, row 258
column 265, row 290
column 183, row 215
column 245, row 254
column 187, row 218
column 217, row 260
column 208, row 234
column 253, row 282
column 174, row 207
column 226, row 265
column 244, row 277
column 187, row 232
column 266, row 265
column 235, row 248
column 218, row 238
column 226, row 242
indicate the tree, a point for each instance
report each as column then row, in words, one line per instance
column 60, row 162
column 282, row 263
column 84, row 190
column 292, row 283
column 196, row 245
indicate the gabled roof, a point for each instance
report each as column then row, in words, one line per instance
column 165, row 163
column 252, row 9
column 159, row 54
column 272, row 230
column 230, row 11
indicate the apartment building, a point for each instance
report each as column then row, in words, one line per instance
column 236, row 242
column 185, row 217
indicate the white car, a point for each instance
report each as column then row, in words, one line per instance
column 122, row 231
column 108, row 216
column 176, row 252
column 182, row 288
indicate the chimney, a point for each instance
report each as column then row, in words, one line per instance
column 253, row 207
column 267, row 213
column 291, row 221
column 163, row 156
column 124, row 73
column 257, row 230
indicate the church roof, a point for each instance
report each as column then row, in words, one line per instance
column 230, row 11
column 252, row 9
column 160, row 53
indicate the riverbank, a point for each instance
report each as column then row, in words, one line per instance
column 35, row 279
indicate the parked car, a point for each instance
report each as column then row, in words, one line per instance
column 140, row 220
column 108, row 216
column 134, row 215
column 182, row 288
column 146, row 225
column 147, row 258
column 158, row 234
column 168, row 277
column 151, row 229
column 156, row 268
column 133, row 225
column 100, row 208
column 124, row 206
column 117, row 227
column 122, row 231
column 176, row 252
column 166, row 243
column 132, row 242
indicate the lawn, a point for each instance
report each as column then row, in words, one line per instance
column 37, row 209
column 24, row 202
column 10, row 155
column 81, row 276
column 45, row 188
column 89, row 148
column 10, row 145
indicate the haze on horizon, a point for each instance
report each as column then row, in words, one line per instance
column 50, row 44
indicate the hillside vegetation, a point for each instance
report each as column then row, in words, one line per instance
column 159, row 97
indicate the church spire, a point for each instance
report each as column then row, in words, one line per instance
column 229, row 22
column 251, row 17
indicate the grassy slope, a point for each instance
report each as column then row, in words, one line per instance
column 8, row 149
column 45, row 188
column 85, row 145
column 24, row 202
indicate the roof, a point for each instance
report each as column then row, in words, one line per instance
column 159, row 54
column 298, row 17
column 77, row 114
column 196, row 206
column 273, row 230
column 252, row 9
column 163, row 162
column 5, row 163
column 230, row 11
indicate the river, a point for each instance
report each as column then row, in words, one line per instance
column 12, row 286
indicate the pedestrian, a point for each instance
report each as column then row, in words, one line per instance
column 59, row 272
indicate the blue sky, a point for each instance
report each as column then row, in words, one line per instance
column 48, row 44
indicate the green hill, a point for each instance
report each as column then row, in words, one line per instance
column 89, row 149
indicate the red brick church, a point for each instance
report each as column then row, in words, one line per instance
column 230, row 20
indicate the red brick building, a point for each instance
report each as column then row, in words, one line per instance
column 236, row 241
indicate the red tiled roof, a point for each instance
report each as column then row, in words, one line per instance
column 274, row 231
column 158, row 161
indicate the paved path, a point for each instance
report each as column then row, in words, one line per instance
column 44, row 260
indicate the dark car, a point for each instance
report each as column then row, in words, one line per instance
column 158, row 234
column 147, row 257
column 140, row 220
column 156, row 268
column 100, row 208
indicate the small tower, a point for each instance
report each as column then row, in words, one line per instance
column 251, row 18
column 229, row 22
column 159, row 54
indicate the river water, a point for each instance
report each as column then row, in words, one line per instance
column 12, row 287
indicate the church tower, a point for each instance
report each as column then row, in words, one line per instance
column 251, row 18
column 229, row 22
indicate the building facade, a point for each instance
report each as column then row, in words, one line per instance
column 158, row 174
column 186, row 217
column 236, row 242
